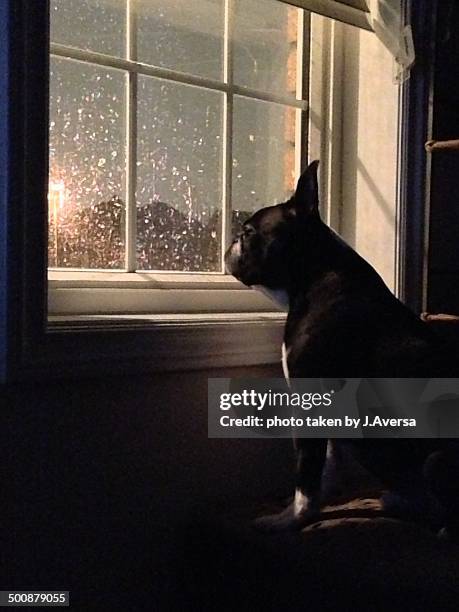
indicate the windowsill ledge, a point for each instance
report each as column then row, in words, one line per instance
column 154, row 320
column 114, row 294
column 92, row 345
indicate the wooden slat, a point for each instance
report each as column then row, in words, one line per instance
column 437, row 145
column 439, row 318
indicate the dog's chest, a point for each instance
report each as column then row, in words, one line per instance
column 285, row 352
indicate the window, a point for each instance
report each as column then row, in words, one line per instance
column 170, row 123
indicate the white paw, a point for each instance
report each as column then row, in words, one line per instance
column 287, row 520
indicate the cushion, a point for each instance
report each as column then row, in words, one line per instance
column 353, row 558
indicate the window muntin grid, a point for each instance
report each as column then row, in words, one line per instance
column 232, row 96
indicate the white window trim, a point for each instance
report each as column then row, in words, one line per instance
column 325, row 104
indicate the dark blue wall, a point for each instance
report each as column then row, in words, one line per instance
column 4, row 152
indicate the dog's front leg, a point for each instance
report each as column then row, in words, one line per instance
column 310, row 461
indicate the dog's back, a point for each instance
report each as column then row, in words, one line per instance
column 348, row 324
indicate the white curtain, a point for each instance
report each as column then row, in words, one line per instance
column 386, row 18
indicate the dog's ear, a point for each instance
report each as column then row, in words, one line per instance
column 307, row 191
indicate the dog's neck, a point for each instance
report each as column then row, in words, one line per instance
column 279, row 296
column 327, row 262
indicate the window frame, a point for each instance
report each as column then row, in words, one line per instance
column 29, row 347
column 415, row 167
column 71, row 292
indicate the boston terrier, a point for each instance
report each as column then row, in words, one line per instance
column 343, row 322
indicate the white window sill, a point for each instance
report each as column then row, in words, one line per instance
column 116, row 293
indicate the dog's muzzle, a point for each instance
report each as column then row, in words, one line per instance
column 232, row 258
column 240, row 262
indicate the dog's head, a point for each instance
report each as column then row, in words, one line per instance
column 267, row 247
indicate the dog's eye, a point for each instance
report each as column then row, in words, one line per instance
column 248, row 230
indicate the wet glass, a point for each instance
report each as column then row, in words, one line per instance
column 177, row 160
column 182, row 36
column 263, row 155
column 179, row 176
column 265, row 44
column 92, row 25
column 87, row 163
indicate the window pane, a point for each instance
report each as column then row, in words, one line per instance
column 179, row 176
column 87, row 165
column 184, row 36
column 98, row 25
column 265, row 46
column 263, row 155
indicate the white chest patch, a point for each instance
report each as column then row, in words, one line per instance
column 284, row 362
column 279, row 296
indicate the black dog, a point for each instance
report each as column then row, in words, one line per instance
column 344, row 322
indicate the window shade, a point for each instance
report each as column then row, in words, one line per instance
column 354, row 12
